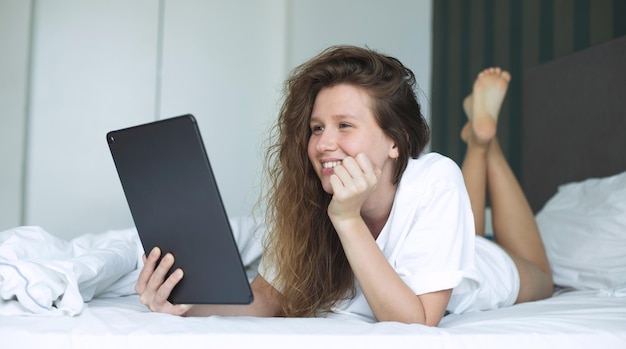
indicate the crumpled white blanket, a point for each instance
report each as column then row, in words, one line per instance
column 43, row 275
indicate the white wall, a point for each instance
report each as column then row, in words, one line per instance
column 400, row 28
column 94, row 69
column 223, row 62
column 14, row 46
column 100, row 65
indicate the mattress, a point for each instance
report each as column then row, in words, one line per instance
column 570, row 319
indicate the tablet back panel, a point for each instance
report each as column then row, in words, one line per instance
column 176, row 205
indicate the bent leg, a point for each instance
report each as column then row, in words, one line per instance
column 515, row 228
column 474, row 168
column 535, row 284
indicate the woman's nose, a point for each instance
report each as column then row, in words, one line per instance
column 327, row 141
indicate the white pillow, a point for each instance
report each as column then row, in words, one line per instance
column 583, row 227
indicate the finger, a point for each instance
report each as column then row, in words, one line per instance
column 351, row 166
column 336, row 183
column 342, row 174
column 371, row 171
column 147, row 270
column 158, row 276
column 346, row 171
column 157, row 300
column 166, row 288
column 179, row 309
column 364, row 163
column 361, row 172
column 340, row 180
column 156, row 292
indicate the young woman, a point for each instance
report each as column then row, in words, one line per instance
column 358, row 221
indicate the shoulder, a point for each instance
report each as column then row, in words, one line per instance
column 430, row 177
column 432, row 168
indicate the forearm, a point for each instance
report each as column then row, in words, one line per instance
column 265, row 304
column 387, row 295
column 228, row 310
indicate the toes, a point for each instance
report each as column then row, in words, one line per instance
column 506, row 75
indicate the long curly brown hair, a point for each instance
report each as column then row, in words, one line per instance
column 312, row 272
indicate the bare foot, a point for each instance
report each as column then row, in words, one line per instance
column 465, row 132
column 485, row 102
column 467, row 107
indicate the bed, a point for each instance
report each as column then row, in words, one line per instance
column 574, row 171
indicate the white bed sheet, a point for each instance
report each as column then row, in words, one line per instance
column 575, row 319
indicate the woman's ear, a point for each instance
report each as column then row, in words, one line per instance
column 393, row 152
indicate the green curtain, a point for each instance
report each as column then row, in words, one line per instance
column 470, row 35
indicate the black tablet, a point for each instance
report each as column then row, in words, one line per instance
column 176, row 205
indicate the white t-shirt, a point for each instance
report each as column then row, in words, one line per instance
column 429, row 236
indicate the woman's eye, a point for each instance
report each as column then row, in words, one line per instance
column 344, row 125
column 317, row 129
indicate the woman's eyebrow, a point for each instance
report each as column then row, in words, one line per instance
column 341, row 116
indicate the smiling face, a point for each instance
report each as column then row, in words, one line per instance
column 343, row 124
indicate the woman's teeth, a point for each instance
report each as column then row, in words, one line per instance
column 331, row 164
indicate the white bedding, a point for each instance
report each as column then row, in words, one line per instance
column 575, row 319
column 591, row 318
column 43, row 275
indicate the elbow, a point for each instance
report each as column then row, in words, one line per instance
column 425, row 322
column 432, row 322
column 417, row 316
column 410, row 319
